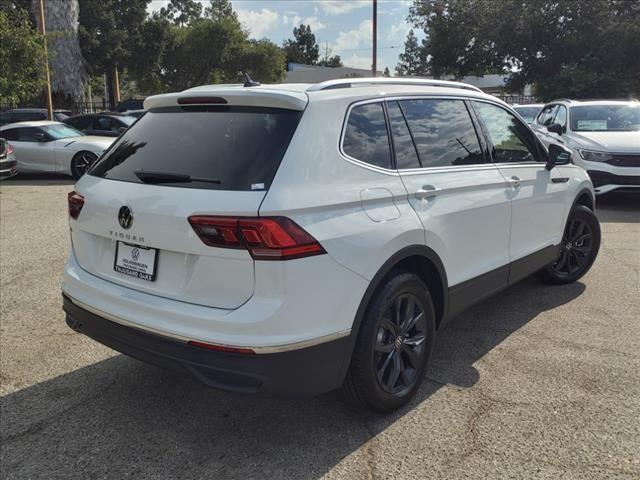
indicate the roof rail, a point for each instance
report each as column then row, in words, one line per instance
column 362, row 82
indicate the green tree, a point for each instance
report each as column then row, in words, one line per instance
column 21, row 56
column 110, row 33
column 411, row 60
column 182, row 12
column 334, row 61
column 263, row 60
column 571, row 48
column 303, row 47
column 219, row 10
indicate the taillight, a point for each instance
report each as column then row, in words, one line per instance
column 9, row 149
column 76, row 202
column 266, row 238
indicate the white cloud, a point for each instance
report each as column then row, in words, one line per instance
column 354, row 38
column 315, row 24
column 338, row 7
column 399, row 31
column 358, row 61
column 258, row 22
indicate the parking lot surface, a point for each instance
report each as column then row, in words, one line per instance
column 538, row 382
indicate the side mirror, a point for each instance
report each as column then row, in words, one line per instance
column 556, row 128
column 558, row 155
column 122, row 129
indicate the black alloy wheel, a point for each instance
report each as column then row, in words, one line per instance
column 81, row 163
column 399, row 349
column 575, row 250
column 393, row 345
column 578, row 249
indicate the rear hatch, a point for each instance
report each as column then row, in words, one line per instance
column 176, row 162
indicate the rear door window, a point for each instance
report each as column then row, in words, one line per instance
column 365, row 136
column 443, row 132
column 240, row 147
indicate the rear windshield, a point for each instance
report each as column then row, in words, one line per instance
column 236, row 148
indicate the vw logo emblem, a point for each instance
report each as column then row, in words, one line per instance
column 125, row 217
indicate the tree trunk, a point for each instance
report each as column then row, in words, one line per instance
column 110, row 91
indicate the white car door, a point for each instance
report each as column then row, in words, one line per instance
column 458, row 194
column 34, row 150
column 537, row 194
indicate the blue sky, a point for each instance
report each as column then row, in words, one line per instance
column 343, row 25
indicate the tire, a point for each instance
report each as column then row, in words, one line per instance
column 578, row 251
column 81, row 162
column 389, row 360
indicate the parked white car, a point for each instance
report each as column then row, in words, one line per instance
column 44, row 146
column 603, row 136
column 292, row 239
column 529, row 111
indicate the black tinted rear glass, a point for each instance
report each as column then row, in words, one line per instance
column 365, row 137
column 240, row 146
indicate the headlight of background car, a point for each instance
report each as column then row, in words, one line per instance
column 592, row 156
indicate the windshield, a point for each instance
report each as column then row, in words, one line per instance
column 605, row 118
column 528, row 113
column 59, row 131
column 240, row 147
column 128, row 120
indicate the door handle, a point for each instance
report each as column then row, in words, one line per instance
column 426, row 192
column 514, row 182
column 560, row 179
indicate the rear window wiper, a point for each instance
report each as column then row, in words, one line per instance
column 164, row 177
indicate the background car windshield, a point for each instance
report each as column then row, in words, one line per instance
column 127, row 120
column 605, row 118
column 61, row 131
column 528, row 113
column 240, row 146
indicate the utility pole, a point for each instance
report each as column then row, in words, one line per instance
column 43, row 32
column 374, row 64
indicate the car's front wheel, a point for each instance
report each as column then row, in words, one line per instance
column 394, row 345
column 81, row 163
column 579, row 248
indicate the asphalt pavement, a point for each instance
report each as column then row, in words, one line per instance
column 538, row 382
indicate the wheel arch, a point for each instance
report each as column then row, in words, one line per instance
column 418, row 259
column 586, row 198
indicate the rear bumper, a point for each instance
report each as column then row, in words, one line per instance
column 8, row 168
column 307, row 371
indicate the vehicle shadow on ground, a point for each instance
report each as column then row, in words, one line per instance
column 30, row 179
column 618, row 208
column 120, row 418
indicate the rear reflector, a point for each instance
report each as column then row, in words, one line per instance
column 76, row 202
column 222, row 348
column 266, row 238
column 201, row 100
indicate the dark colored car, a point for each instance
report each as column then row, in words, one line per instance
column 103, row 124
column 130, row 104
column 30, row 114
column 8, row 163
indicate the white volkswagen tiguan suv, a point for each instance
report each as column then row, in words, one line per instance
column 294, row 239
column 603, row 136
